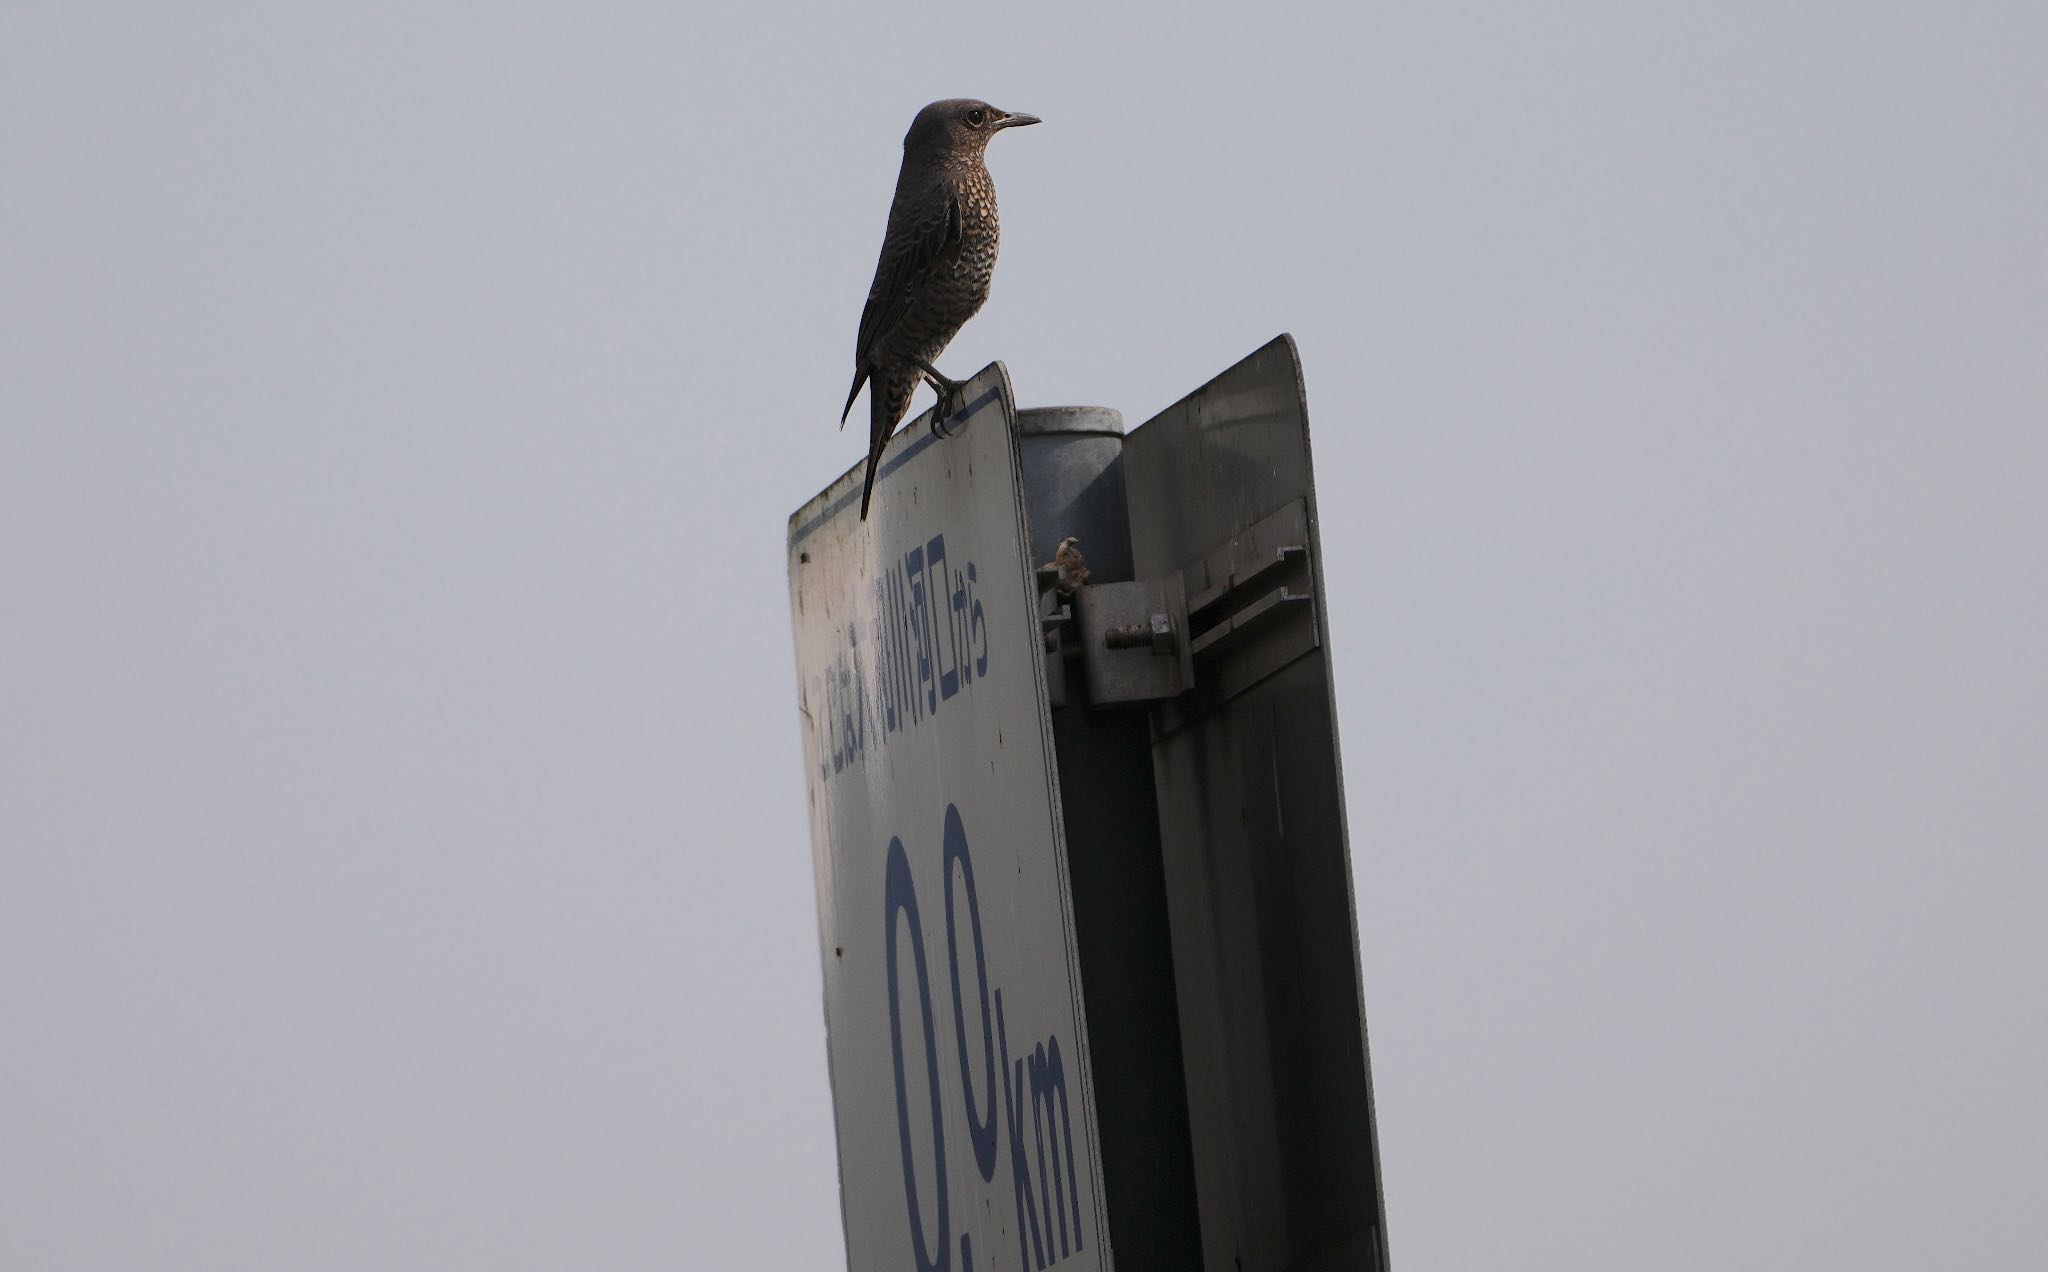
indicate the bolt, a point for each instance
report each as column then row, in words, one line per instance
column 1156, row 635
column 1128, row 636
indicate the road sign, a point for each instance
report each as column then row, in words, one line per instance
column 953, row 1010
column 1221, row 495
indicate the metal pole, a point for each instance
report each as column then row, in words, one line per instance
column 1072, row 460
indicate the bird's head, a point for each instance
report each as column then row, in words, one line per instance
column 959, row 126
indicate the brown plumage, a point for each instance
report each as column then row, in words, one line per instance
column 938, row 254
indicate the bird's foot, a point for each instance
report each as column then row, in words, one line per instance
column 952, row 399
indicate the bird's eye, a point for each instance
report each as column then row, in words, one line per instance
column 974, row 118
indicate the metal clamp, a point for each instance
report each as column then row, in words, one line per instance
column 1148, row 640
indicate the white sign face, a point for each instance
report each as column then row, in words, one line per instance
column 952, row 992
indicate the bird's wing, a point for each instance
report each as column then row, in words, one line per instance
column 920, row 232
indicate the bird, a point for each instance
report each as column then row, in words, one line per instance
column 938, row 254
column 1070, row 570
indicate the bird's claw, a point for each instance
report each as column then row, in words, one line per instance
column 942, row 414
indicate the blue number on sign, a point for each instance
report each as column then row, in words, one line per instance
column 981, row 1127
column 900, row 896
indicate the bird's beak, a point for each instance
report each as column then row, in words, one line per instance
column 1018, row 120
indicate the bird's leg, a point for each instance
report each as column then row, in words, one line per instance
column 951, row 393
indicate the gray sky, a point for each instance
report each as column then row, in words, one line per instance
column 405, row 863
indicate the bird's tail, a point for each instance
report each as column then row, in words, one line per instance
column 888, row 397
column 868, row 487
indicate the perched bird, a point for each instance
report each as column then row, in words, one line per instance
column 938, row 254
column 1070, row 570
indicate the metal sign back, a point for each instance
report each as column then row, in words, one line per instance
column 1251, row 822
column 954, row 1022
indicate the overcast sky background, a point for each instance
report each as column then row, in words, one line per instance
column 405, row 863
